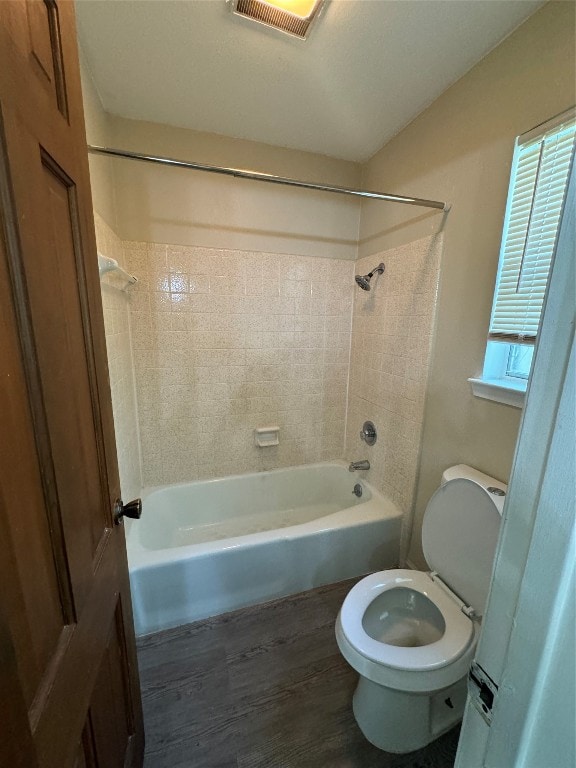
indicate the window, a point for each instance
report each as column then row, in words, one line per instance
column 540, row 168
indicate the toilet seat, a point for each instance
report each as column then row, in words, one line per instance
column 458, row 634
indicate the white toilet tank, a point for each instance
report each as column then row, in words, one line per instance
column 460, row 532
column 463, row 470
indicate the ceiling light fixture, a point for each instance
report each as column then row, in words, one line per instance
column 291, row 16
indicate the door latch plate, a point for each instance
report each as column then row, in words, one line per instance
column 483, row 691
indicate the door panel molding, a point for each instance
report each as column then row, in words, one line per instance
column 29, row 356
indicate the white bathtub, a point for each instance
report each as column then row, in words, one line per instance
column 209, row 547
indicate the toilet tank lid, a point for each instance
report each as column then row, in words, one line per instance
column 485, row 481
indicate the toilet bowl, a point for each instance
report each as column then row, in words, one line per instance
column 411, row 635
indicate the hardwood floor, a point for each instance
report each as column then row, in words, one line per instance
column 263, row 687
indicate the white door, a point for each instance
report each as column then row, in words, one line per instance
column 523, row 716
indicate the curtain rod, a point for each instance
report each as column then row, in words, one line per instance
column 269, row 177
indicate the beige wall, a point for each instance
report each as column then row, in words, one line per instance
column 144, row 202
column 226, row 341
column 167, row 205
column 460, row 150
column 391, row 339
column 115, row 304
column 114, row 299
column 98, row 132
column 261, row 332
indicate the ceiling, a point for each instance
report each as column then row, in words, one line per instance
column 368, row 68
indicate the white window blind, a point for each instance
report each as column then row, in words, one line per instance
column 539, row 177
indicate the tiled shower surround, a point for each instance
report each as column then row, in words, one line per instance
column 390, row 355
column 226, row 341
column 115, row 303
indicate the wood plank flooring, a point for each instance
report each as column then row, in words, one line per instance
column 263, row 687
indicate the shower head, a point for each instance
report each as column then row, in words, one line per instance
column 364, row 280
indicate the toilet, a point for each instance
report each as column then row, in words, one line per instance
column 411, row 635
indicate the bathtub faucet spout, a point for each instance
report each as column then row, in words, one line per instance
column 365, row 464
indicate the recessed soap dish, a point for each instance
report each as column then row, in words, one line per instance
column 266, row 436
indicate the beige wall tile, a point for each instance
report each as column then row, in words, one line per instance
column 387, row 377
column 250, row 348
column 116, row 308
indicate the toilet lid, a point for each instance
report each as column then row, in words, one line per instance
column 459, row 536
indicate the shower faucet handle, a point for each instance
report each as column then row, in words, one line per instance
column 368, row 433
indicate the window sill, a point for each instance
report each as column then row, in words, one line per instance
column 500, row 391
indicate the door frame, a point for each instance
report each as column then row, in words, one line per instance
column 527, row 629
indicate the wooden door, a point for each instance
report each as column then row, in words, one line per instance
column 69, row 692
